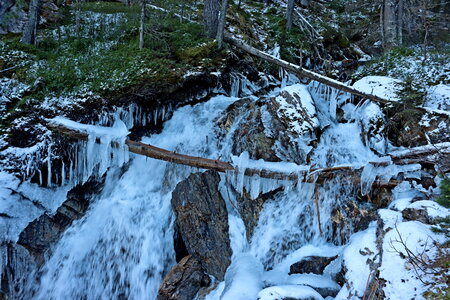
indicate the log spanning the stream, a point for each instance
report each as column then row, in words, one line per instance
column 303, row 72
column 317, row 175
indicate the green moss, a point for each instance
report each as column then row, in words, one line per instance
column 105, row 58
column 444, row 198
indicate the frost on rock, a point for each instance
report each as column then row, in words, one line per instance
column 289, row 292
column 280, row 127
column 297, row 110
column 360, row 250
column 243, row 279
column 381, row 86
column 372, row 121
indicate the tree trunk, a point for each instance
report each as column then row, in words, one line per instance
column 389, row 24
column 289, row 11
column 222, row 21
column 30, row 30
column 211, row 17
column 141, row 25
column 400, row 22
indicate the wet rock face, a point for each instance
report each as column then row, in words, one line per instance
column 274, row 129
column 202, row 220
column 184, row 280
column 249, row 209
column 351, row 217
column 311, row 264
column 43, row 232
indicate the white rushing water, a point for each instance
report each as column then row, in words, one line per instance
column 123, row 245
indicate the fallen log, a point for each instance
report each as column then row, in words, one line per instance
column 312, row 175
column 303, row 72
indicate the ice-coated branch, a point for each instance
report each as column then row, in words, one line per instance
column 306, row 174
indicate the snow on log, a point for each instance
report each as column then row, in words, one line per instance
column 304, row 173
column 303, row 72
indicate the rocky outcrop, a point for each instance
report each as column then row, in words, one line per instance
column 43, row 232
column 13, row 14
column 184, row 280
column 202, row 220
column 274, row 129
column 311, row 264
column 414, row 127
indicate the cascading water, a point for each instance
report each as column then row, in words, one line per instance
column 123, row 246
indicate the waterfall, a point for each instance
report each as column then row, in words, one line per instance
column 123, row 246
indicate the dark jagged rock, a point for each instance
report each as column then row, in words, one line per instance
column 178, row 245
column 202, row 219
column 311, row 264
column 417, row 214
column 184, row 280
column 43, row 232
column 250, row 209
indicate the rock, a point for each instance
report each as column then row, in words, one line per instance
column 311, row 264
column 202, row 219
column 351, row 217
column 413, row 127
column 373, row 122
column 184, row 280
column 274, row 129
column 417, row 214
column 43, row 232
column 289, row 292
column 178, row 245
column 12, row 16
column 249, row 209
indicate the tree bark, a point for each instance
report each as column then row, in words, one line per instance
column 400, row 22
column 289, row 11
column 389, row 24
column 211, row 17
column 141, row 25
column 222, row 21
column 323, row 174
column 303, row 72
column 30, row 30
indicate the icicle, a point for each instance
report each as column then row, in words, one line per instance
column 49, row 166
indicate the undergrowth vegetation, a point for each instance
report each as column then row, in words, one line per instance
column 102, row 55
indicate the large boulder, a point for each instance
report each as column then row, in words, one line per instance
column 202, row 220
column 184, row 280
column 278, row 128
